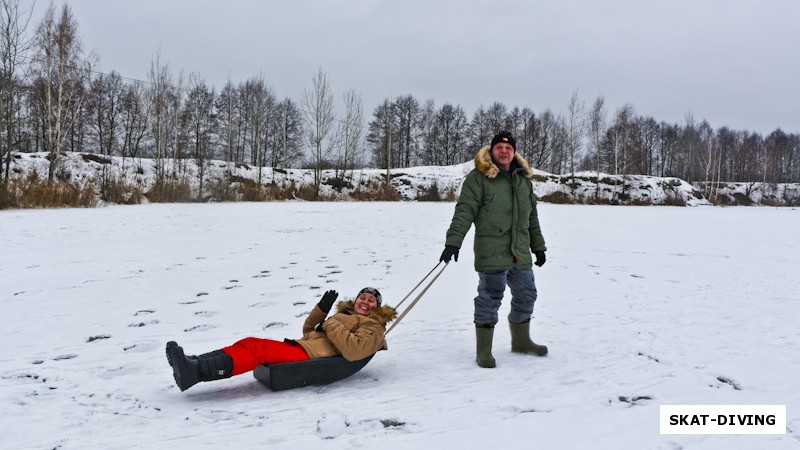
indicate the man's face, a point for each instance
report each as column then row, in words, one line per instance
column 503, row 154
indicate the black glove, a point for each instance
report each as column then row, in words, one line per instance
column 327, row 301
column 449, row 252
column 540, row 258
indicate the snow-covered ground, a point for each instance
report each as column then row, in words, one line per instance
column 640, row 307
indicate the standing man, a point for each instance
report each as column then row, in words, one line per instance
column 497, row 196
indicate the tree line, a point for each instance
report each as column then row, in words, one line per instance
column 53, row 100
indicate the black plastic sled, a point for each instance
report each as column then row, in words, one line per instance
column 312, row 372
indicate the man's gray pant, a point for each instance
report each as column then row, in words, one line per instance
column 491, row 286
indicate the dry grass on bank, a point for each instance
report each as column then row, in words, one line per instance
column 35, row 192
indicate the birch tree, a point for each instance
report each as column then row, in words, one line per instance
column 60, row 66
column 575, row 126
column 158, row 96
column 597, row 124
column 426, row 126
column 14, row 47
column 318, row 116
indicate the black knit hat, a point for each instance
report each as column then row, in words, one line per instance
column 504, row 136
column 373, row 291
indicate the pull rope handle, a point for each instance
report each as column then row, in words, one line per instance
column 414, row 302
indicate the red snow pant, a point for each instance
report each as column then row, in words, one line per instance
column 248, row 353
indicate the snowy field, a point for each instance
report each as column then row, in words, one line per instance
column 640, row 306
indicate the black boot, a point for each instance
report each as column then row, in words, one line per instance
column 191, row 370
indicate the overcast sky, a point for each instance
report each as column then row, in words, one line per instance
column 731, row 62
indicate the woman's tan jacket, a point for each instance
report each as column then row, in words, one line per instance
column 347, row 333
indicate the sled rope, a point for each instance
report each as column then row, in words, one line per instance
column 419, row 296
column 420, row 282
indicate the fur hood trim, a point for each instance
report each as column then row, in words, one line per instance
column 484, row 163
column 383, row 314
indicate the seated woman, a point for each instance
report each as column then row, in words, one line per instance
column 354, row 332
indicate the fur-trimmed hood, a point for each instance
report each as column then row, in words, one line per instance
column 383, row 314
column 485, row 164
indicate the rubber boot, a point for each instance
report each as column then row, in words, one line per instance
column 521, row 339
column 483, row 338
column 190, row 370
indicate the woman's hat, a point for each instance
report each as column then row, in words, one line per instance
column 373, row 291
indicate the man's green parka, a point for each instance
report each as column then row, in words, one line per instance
column 502, row 206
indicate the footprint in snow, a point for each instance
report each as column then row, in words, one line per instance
column 200, row 328
column 331, row 426
column 206, row 313
column 63, row 357
column 723, row 379
column 634, row 400
column 261, row 304
column 651, row 358
column 98, row 337
column 392, row 423
column 143, row 347
column 143, row 312
column 143, row 324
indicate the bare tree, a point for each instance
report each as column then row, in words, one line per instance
column 287, row 147
column 381, row 129
column 407, row 112
column 259, row 100
column 63, row 71
column 103, row 106
column 649, row 141
column 708, row 159
column 778, row 155
column 480, row 129
column 450, row 135
column 575, row 130
column 230, row 126
column 198, row 124
column 527, row 134
column 177, row 142
column 134, row 119
column 515, row 123
column 497, row 117
column 426, row 127
column 159, row 91
column 14, row 47
column 318, row 116
column 349, row 134
column 597, row 124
